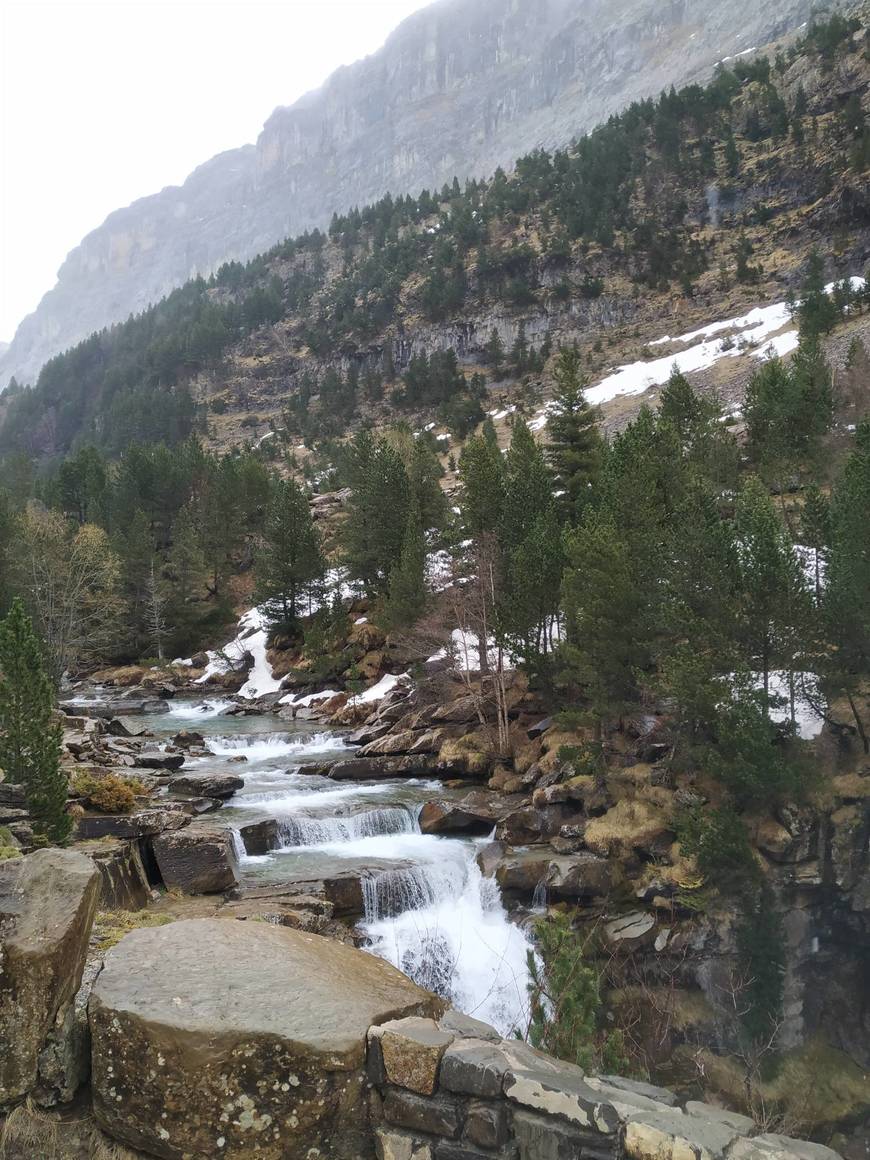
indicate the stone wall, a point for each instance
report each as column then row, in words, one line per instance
column 455, row 1090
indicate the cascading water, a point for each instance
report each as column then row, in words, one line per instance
column 428, row 908
column 268, row 747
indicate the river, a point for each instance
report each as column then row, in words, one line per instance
column 428, row 908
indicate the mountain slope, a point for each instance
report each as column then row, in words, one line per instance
column 460, row 88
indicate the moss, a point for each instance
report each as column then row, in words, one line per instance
column 9, row 852
column 110, row 926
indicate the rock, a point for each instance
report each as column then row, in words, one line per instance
column 391, row 1144
column 438, row 1115
column 633, row 928
column 468, row 756
column 214, row 785
column 539, row 728
column 542, row 1138
column 771, row 1146
column 260, row 838
column 474, row 1067
column 187, row 739
column 542, row 1084
column 12, row 795
column 650, row 1091
column 465, row 1027
column 582, row 877
column 521, row 873
column 411, row 1050
column 123, row 880
column 667, row 1134
column 365, row 768
column 159, row 759
column 528, row 825
column 486, row 1125
column 126, row 727
column 447, row 817
column 142, row 825
column 197, row 861
column 47, row 906
column 218, row 1038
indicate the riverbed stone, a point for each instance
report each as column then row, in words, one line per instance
column 47, row 906
column 211, row 785
column 219, row 1038
column 411, row 1050
column 123, row 879
column 159, row 759
column 197, row 861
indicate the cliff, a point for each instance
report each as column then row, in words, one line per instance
column 458, row 89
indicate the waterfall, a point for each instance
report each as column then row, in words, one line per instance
column 267, row 747
column 306, row 831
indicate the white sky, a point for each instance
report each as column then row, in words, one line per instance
column 104, row 101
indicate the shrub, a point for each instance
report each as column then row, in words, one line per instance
column 110, row 794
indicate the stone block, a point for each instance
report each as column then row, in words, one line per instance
column 438, row 1115
column 474, row 1067
column 543, row 1138
column 412, row 1050
column 465, row 1027
column 393, row 1145
column 670, row 1135
column 486, row 1124
column 552, row 1087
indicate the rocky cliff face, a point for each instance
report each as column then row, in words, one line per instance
column 460, row 88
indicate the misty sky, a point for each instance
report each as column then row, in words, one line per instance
column 103, row 101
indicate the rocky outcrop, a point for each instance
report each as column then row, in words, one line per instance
column 47, row 905
column 460, row 88
column 218, row 1038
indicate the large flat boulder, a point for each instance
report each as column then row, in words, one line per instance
column 240, row 1040
column 47, row 905
column 213, row 785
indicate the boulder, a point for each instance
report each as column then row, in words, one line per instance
column 123, row 879
column 142, row 825
column 47, row 906
column 447, row 817
column 371, row 768
column 582, row 877
column 126, row 727
column 219, row 1038
column 260, row 838
column 213, row 785
column 197, row 860
column 159, row 759
column 187, row 739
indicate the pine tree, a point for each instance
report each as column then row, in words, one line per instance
column 407, row 595
column 481, row 469
column 816, row 532
column 773, row 596
column 378, row 512
column 847, row 593
column 493, row 354
column 186, row 568
column 30, row 739
column 290, row 565
column 528, row 491
column 575, row 447
column 155, row 610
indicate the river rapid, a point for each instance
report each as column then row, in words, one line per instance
column 428, row 908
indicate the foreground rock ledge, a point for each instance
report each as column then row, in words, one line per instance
column 47, row 905
column 221, row 1038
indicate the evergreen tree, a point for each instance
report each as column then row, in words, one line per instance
column 817, row 313
column 407, row 595
column 816, row 532
column 186, row 568
column 575, row 447
column 847, row 594
column 290, row 565
column 482, row 472
column 30, row 739
column 493, row 354
column 606, row 618
column 378, row 512
column 528, row 489
column 761, row 944
column 773, row 597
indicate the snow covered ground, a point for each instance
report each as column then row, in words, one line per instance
column 759, row 332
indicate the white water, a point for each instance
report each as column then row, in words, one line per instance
column 428, row 909
column 268, row 747
column 198, row 711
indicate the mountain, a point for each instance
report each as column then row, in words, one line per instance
column 460, row 88
column 677, row 213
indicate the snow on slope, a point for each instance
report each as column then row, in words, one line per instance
column 755, row 331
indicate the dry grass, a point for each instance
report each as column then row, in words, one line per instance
column 110, row 926
column 32, row 1134
column 626, row 826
